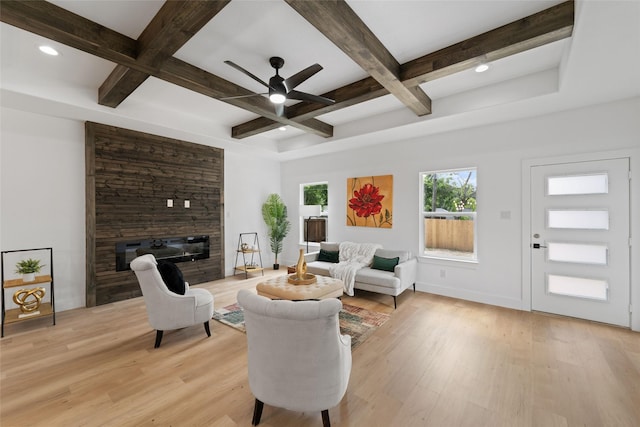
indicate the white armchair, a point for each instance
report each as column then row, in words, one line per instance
column 167, row 310
column 298, row 360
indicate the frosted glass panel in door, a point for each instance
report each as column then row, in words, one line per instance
column 577, row 287
column 577, row 184
column 587, row 220
column 578, row 253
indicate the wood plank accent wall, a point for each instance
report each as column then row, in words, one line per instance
column 129, row 177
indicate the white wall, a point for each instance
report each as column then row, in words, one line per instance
column 42, row 192
column 248, row 181
column 43, row 197
column 498, row 152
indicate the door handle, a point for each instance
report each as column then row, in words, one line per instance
column 538, row 246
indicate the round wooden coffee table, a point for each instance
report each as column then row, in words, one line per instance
column 280, row 288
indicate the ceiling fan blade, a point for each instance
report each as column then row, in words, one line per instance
column 248, row 73
column 242, row 96
column 279, row 110
column 303, row 75
column 302, row 96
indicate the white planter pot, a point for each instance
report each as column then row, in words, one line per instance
column 28, row 277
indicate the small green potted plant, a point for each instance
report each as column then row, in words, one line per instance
column 28, row 268
column 274, row 213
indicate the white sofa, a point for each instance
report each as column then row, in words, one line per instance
column 384, row 282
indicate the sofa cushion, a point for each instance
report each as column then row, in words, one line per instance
column 330, row 246
column 319, row 268
column 377, row 277
column 172, row 277
column 392, row 253
column 385, row 264
column 328, row 256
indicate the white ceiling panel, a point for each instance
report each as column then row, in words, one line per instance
column 599, row 63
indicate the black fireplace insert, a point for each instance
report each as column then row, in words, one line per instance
column 174, row 249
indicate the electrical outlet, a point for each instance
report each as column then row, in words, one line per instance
column 187, row 204
column 169, row 203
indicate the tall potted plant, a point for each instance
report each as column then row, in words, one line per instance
column 274, row 213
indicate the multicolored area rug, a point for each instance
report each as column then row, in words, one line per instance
column 358, row 322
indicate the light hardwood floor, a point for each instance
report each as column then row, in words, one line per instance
column 437, row 362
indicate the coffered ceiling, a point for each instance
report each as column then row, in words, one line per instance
column 396, row 69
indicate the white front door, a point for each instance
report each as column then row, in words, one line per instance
column 580, row 240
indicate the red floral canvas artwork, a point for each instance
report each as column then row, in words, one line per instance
column 370, row 201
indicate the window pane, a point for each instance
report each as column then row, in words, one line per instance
column 579, row 253
column 578, row 184
column 450, row 191
column 588, row 220
column 446, row 238
column 449, row 214
column 577, row 287
column 316, row 194
column 314, row 212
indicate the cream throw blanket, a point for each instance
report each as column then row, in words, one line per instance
column 353, row 256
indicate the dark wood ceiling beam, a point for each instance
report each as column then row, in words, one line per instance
column 340, row 24
column 173, row 25
column 55, row 23
column 547, row 26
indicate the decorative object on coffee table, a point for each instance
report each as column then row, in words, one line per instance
column 301, row 268
column 274, row 213
column 301, row 277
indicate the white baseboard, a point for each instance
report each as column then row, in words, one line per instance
column 464, row 294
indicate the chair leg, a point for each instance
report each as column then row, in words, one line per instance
column 158, row 339
column 325, row 418
column 414, row 287
column 395, row 303
column 206, row 328
column 257, row 412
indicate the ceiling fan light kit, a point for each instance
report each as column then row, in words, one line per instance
column 277, row 98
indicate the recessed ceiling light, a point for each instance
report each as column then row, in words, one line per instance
column 48, row 50
column 482, row 68
column 282, row 128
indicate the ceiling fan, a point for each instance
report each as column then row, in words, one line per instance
column 281, row 89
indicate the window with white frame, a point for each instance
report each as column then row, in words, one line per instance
column 314, row 207
column 449, row 217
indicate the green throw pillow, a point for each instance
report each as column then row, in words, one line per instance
column 386, row 264
column 329, row 256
